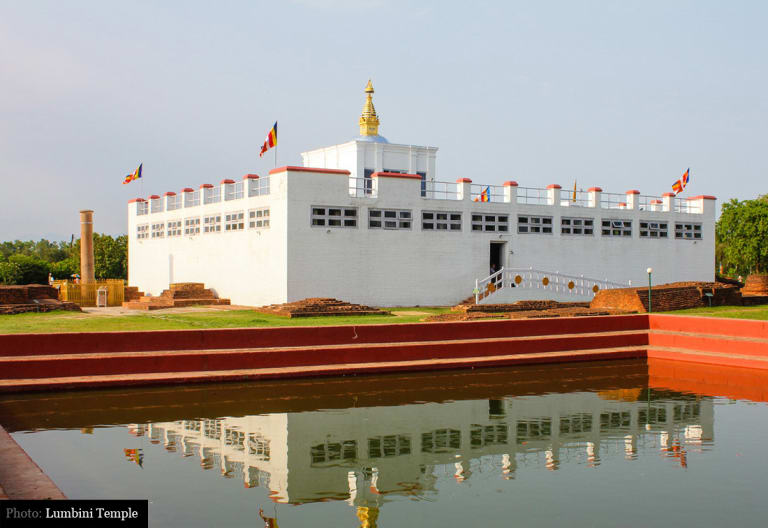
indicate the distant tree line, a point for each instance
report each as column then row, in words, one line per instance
column 29, row 262
column 741, row 242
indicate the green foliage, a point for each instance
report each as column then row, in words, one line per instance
column 43, row 249
column 742, row 236
column 110, row 256
column 64, row 269
column 10, row 273
column 34, row 270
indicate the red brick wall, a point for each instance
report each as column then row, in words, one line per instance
column 667, row 297
column 23, row 294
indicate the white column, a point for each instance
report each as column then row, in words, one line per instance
column 510, row 192
column 465, row 188
column 633, row 199
column 594, row 199
column 553, row 194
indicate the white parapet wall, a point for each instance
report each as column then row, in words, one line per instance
column 395, row 241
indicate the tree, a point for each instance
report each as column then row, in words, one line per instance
column 33, row 270
column 110, row 256
column 10, row 273
column 743, row 232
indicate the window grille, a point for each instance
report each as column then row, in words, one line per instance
column 234, row 221
column 142, row 208
column 212, row 224
column 650, row 229
column 174, row 228
column 441, row 221
column 333, row 451
column 233, row 191
column 389, row 219
column 173, row 202
column 192, row 226
column 489, row 222
column 334, row 216
column 258, row 218
column 617, row 228
column 688, row 231
column 142, row 231
column 577, row 226
column 258, row 186
column 441, row 441
column 191, row 199
column 156, row 205
column 158, row 230
column 211, row 195
column 534, row 224
column 389, row 446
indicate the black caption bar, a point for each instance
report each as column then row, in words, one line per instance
column 28, row 513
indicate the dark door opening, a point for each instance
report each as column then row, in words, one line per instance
column 496, row 256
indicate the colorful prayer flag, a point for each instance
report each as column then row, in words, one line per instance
column 271, row 140
column 135, row 176
column 686, row 177
column 574, row 191
column 677, row 187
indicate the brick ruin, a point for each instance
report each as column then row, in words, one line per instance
column 32, row 298
column 668, row 297
column 177, row 295
column 319, row 306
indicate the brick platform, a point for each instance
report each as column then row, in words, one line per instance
column 32, row 298
column 756, row 285
column 668, row 297
column 319, row 306
column 178, row 295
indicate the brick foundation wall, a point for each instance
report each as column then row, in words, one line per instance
column 23, row 294
column 667, row 297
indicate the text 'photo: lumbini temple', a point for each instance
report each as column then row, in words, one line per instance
column 527, row 332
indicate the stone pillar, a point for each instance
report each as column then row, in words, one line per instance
column 553, row 194
column 633, row 198
column 464, row 188
column 594, row 199
column 86, row 247
column 510, row 192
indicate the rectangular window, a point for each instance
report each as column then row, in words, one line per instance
column 212, row 224
column 158, row 230
column 258, row 218
column 688, row 231
column 258, row 186
column 191, row 199
column 173, row 203
column 651, row 229
column 174, row 228
column 441, row 441
column 234, row 221
column 389, row 446
column 389, row 219
column 333, row 452
column 577, row 226
column 534, row 224
column 192, row 226
column 617, row 228
column 334, row 216
column 490, row 223
column 142, row 208
column 142, row 231
column 211, row 195
column 441, row 221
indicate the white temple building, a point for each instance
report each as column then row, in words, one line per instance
column 369, row 221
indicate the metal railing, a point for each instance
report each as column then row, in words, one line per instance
column 578, row 286
column 441, row 190
column 684, row 205
column 486, row 193
column 532, row 196
column 258, row 187
column 567, row 199
column 362, row 188
column 613, row 200
column 85, row 294
column 174, row 202
column 233, row 191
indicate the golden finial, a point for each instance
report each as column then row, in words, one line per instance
column 369, row 121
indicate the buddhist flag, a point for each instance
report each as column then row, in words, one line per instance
column 574, row 191
column 135, row 176
column 677, row 187
column 686, row 177
column 271, row 140
column 485, row 195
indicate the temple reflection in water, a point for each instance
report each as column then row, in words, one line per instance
column 362, row 455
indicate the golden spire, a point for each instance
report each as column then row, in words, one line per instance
column 369, row 121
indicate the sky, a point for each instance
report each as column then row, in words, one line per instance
column 616, row 94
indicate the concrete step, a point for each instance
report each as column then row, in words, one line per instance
column 337, row 369
column 711, row 358
column 91, row 364
column 746, row 346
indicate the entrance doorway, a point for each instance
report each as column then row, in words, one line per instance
column 497, row 251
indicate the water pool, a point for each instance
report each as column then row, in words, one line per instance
column 594, row 444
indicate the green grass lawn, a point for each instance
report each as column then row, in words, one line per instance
column 735, row 312
column 61, row 321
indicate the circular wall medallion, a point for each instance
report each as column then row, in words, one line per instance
column 518, row 279
column 595, row 288
column 545, row 281
column 571, row 285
